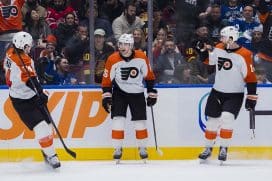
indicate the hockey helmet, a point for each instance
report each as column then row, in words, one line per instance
column 230, row 33
column 126, row 39
column 21, row 39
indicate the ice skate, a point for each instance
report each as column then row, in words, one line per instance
column 222, row 156
column 143, row 153
column 117, row 154
column 205, row 154
column 52, row 161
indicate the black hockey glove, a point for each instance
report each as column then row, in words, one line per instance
column 152, row 97
column 41, row 99
column 107, row 102
column 251, row 101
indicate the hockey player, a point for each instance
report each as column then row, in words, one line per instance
column 122, row 86
column 234, row 68
column 27, row 96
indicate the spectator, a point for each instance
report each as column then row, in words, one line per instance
column 127, row 21
column 187, row 18
column 201, row 37
column 77, row 45
column 37, row 27
column 265, row 17
column 252, row 39
column 158, row 22
column 101, row 23
column 215, row 23
column 80, row 6
column 247, row 23
column 167, row 63
column 139, row 40
column 183, row 73
column 47, row 56
column 58, row 73
column 141, row 12
column 261, row 75
column 141, row 7
column 169, row 15
column 30, row 5
column 157, row 47
column 111, row 9
column 45, row 3
column 231, row 11
column 65, row 30
column 102, row 52
column 77, row 52
column 265, row 53
column 257, row 34
column 10, row 23
column 56, row 13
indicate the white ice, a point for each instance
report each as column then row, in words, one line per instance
column 189, row 170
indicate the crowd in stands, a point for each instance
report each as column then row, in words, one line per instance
column 60, row 30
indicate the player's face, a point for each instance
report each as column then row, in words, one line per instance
column 124, row 49
column 225, row 40
column 27, row 49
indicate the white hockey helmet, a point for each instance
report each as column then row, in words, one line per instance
column 230, row 33
column 21, row 39
column 127, row 38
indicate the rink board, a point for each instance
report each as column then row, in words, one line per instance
column 179, row 119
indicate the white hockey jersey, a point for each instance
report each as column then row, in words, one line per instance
column 17, row 76
column 233, row 69
column 128, row 75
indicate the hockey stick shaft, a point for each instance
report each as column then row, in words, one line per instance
column 155, row 132
column 251, row 119
column 263, row 112
column 69, row 151
column 253, row 113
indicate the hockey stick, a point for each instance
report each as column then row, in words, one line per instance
column 252, row 114
column 69, row 151
column 155, row 134
column 252, row 122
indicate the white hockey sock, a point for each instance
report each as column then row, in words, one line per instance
column 44, row 134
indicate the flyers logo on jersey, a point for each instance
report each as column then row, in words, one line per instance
column 127, row 72
column 224, row 63
column 8, row 11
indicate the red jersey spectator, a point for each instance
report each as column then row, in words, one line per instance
column 57, row 12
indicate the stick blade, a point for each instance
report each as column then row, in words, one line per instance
column 159, row 151
column 72, row 153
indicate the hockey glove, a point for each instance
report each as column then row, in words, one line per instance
column 152, row 97
column 251, row 101
column 107, row 102
column 41, row 99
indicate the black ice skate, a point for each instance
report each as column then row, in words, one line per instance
column 52, row 161
column 143, row 153
column 117, row 154
column 222, row 156
column 205, row 154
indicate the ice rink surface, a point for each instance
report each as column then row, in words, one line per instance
column 189, row 170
